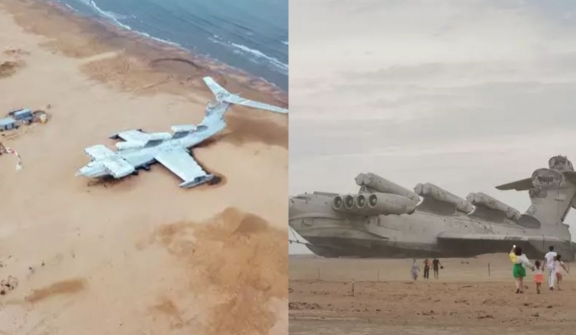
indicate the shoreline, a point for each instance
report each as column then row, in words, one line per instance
column 148, row 49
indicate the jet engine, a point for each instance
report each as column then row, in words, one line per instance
column 385, row 186
column 481, row 199
column 373, row 204
column 432, row 191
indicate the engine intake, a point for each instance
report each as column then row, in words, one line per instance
column 373, row 204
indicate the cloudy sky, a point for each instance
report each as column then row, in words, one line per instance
column 463, row 94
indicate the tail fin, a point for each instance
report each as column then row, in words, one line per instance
column 551, row 193
column 219, row 92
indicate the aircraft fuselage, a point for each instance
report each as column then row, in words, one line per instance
column 334, row 234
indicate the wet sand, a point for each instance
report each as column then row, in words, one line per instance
column 343, row 296
column 140, row 255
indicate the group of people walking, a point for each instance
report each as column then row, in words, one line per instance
column 552, row 264
column 436, row 266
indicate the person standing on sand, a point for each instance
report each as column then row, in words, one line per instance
column 538, row 276
column 415, row 269
column 558, row 266
column 426, row 268
column 435, row 266
column 549, row 261
column 518, row 271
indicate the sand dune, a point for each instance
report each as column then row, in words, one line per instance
column 139, row 255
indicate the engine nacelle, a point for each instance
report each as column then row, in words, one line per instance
column 482, row 199
column 437, row 193
column 385, row 204
column 385, row 186
column 345, row 203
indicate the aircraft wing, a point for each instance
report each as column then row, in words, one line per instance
column 98, row 152
column 493, row 237
column 234, row 99
column 132, row 135
column 117, row 167
column 519, row 185
column 182, row 164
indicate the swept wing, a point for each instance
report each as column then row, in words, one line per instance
column 98, row 152
column 184, row 166
column 117, row 167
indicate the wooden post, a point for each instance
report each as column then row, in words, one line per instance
column 352, row 286
column 488, row 269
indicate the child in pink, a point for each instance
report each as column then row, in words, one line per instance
column 538, row 275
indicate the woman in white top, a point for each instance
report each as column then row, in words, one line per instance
column 518, row 271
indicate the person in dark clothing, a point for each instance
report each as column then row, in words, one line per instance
column 426, row 268
column 436, row 267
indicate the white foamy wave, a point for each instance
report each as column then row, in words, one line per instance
column 260, row 54
column 109, row 15
column 114, row 17
column 71, row 8
column 255, row 54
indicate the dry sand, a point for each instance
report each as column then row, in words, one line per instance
column 140, row 256
column 464, row 300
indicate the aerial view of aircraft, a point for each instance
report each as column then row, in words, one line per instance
column 385, row 220
column 140, row 149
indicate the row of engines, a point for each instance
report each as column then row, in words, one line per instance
column 373, row 204
column 379, row 196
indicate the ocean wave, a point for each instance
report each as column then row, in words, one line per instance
column 259, row 55
column 285, row 42
column 115, row 18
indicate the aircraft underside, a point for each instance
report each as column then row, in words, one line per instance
column 340, row 247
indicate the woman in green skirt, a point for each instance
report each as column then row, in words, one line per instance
column 518, row 269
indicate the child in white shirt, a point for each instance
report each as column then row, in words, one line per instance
column 558, row 266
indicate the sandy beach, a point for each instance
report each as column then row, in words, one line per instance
column 377, row 296
column 139, row 256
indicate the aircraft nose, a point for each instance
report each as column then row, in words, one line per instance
column 293, row 207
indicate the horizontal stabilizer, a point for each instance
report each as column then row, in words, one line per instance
column 223, row 95
column 494, row 237
column 234, row 99
column 519, row 185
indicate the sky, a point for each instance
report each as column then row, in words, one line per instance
column 466, row 95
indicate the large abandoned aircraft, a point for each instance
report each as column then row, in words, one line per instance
column 386, row 220
column 140, row 149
